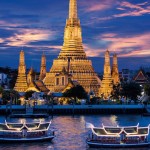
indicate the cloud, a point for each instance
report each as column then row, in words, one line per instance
column 137, row 45
column 94, row 5
column 1, row 40
column 92, row 52
column 25, row 36
column 50, row 49
column 137, row 53
column 133, row 9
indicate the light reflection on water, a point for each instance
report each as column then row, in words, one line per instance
column 71, row 132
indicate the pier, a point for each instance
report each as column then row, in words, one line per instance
column 77, row 109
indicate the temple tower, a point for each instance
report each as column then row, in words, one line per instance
column 115, row 72
column 30, row 76
column 107, row 84
column 79, row 66
column 21, row 82
column 43, row 68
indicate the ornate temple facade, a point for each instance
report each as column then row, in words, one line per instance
column 115, row 72
column 27, row 82
column 72, row 59
column 43, row 68
column 21, row 82
column 30, row 76
column 107, row 82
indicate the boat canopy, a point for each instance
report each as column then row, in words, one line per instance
column 31, row 127
column 111, row 131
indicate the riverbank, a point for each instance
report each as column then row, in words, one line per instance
column 77, row 109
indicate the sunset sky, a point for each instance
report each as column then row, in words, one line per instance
column 121, row 26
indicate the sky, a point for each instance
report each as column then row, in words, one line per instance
column 37, row 26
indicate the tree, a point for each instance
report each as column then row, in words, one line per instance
column 76, row 92
column 28, row 94
column 147, row 89
column 1, row 90
column 130, row 90
column 9, row 95
column 116, row 93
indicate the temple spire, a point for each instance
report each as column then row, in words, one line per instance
column 43, row 67
column 21, row 82
column 115, row 72
column 21, row 60
column 73, row 58
column 107, row 84
column 73, row 9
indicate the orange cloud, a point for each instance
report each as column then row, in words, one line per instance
column 92, row 52
column 129, row 46
column 26, row 36
column 137, row 53
column 1, row 40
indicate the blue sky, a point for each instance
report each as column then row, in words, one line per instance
column 122, row 26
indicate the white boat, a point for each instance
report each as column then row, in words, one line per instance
column 117, row 137
column 24, row 132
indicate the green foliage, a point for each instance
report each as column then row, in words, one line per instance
column 130, row 90
column 9, row 94
column 12, row 75
column 94, row 100
column 147, row 89
column 76, row 92
column 28, row 94
column 1, row 90
column 116, row 93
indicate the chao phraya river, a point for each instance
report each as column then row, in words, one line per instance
column 71, row 133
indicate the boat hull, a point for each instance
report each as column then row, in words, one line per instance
column 100, row 145
column 46, row 138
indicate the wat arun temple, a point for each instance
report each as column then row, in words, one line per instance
column 72, row 59
column 71, row 65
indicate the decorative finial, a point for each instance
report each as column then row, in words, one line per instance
column 73, row 9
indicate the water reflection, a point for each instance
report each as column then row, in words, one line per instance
column 71, row 133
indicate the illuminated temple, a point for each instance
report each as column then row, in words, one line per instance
column 107, row 82
column 72, row 62
column 21, row 82
column 115, row 72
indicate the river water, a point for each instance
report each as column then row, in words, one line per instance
column 71, row 133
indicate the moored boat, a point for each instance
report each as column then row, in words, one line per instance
column 24, row 132
column 117, row 137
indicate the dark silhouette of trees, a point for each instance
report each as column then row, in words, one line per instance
column 117, row 91
column 28, row 94
column 9, row 95
column 147, row 89
column 130, row 90
column 76, row 92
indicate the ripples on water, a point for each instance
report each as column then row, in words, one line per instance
column 71, row 133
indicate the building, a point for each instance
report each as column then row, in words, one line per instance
column 28, row 82
column 3, row 79
column 30, row 76
column 115, row 72
column 107, row 82
column 141, row 78
column 73, row 59
column 125, row 75
column 21, row 82
column 43, row 67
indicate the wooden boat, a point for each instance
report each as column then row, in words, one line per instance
column 24, row 132
column 117, row 137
